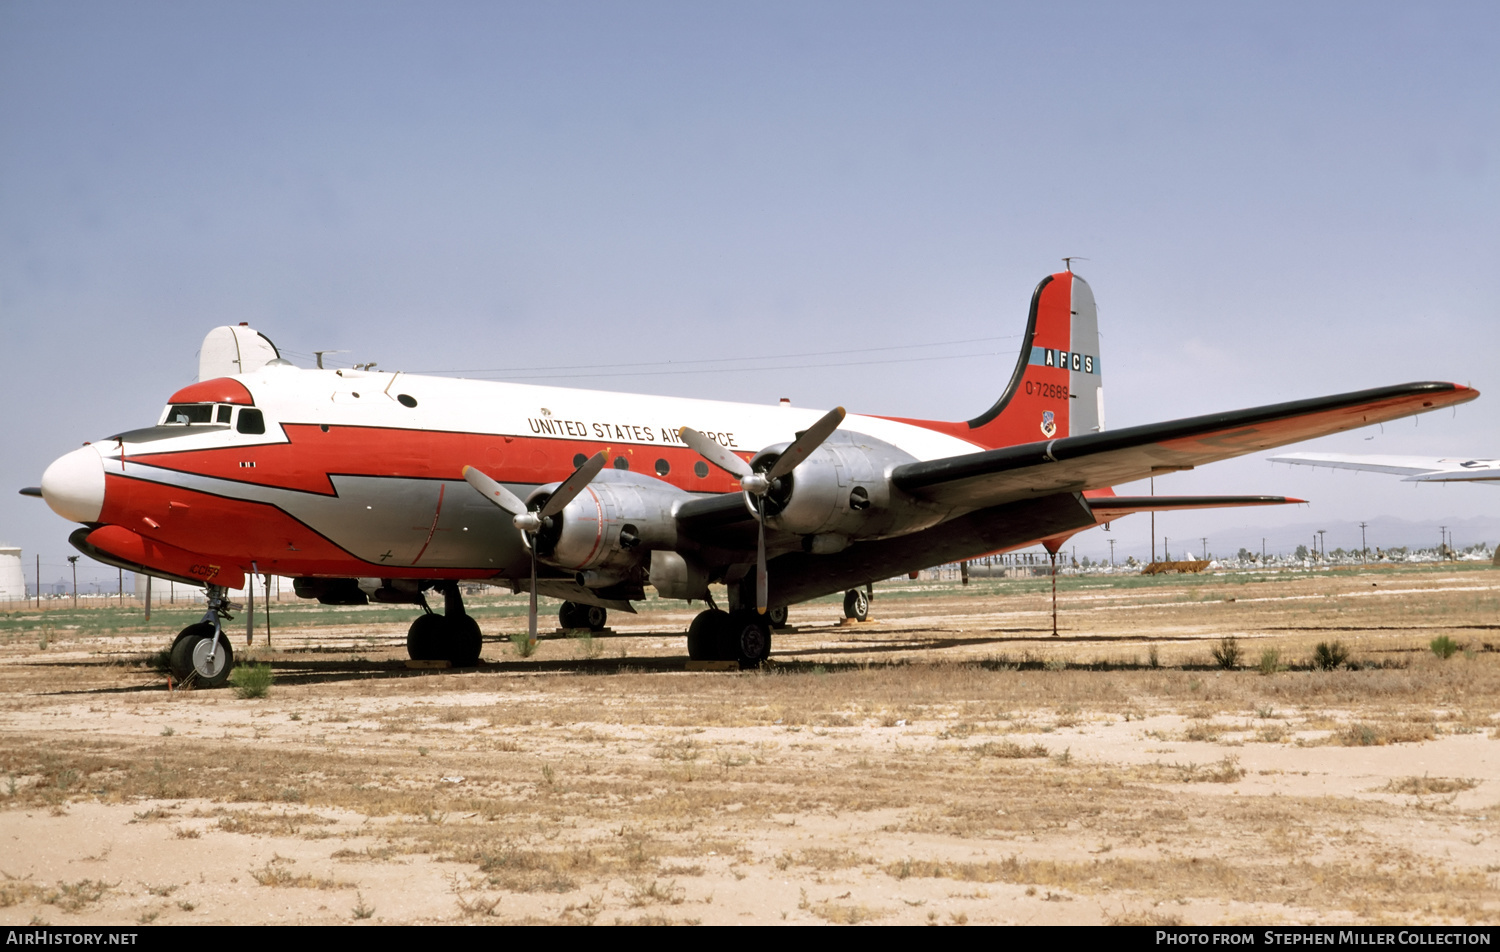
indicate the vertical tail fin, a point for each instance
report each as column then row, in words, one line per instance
column 1056, row 389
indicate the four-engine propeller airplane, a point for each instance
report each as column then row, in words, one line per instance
column 365, row 485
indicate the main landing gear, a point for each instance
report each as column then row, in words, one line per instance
column 201, row 656
column 452, row 636
column 743, row 636
column 573, row 615
column 857, row 604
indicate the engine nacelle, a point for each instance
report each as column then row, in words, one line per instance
column 842, row 491
column 606, row 534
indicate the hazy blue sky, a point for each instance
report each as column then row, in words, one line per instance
column 1276, row 201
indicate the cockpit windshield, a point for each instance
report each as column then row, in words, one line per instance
column 190, row 413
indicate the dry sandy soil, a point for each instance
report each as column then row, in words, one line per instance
column 948, row 762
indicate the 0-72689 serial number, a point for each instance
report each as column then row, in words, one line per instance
column 1053, row 390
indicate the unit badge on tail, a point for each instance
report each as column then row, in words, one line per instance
column 1049, row 424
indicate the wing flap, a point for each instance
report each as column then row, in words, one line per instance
column 1097, row 460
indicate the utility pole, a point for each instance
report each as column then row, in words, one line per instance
column 122, row 584
column 39, row 580
column 1205, row 548
column 73, row 561
column 1153, row 522
column 1262, row 548
column 1442, row 546
column 1111, row 553
column 1166, row 555
column 1324, row 545
column 1364, row 550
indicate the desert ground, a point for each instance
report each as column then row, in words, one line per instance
column 1176, row 755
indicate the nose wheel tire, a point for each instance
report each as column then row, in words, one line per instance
column 856, row 605
column 189, row 657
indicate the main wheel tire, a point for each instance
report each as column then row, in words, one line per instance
column 594, row 616
column 188, row 659
column 856, row 605
column 462, row 641
column 424, row 639
column 569, row 615
column 708, row 636
column 749, row 638
column 777, row 617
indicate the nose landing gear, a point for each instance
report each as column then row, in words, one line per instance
column 201, row 656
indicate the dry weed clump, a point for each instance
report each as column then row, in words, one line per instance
column 276, row 874
column 1009, row 750
column 1379, row 735
column 1227, row 770
column 69, row 897
column 1424, row 784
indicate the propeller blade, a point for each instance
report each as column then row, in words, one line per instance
column 494, row 492
column 574, row 484
column 531, row 616
column 802, row 446
column 761, row 582
column 716, row 454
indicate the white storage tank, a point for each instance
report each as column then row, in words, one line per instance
column 12, row 582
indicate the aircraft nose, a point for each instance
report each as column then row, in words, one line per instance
column 74, row 485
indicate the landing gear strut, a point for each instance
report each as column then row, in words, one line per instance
column 201, row 655
column 452, row 636
column 743, row 636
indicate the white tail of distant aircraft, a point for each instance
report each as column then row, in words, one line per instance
column 1413, row 469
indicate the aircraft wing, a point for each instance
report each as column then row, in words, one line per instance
column 1419, row 469
column 1096, row 460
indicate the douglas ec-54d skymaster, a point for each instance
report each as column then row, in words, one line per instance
column 387, row 486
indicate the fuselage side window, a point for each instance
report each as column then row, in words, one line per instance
column 251, row 421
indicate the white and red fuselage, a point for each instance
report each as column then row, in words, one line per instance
column 347, row 473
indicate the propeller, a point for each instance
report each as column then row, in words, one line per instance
column 759, row 484
column 531, row 522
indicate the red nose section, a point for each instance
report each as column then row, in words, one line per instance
column 132, row 547
column 218, row 390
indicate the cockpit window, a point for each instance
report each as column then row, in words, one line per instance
column 251, row 421
column 222, row 416
column 188, row 413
